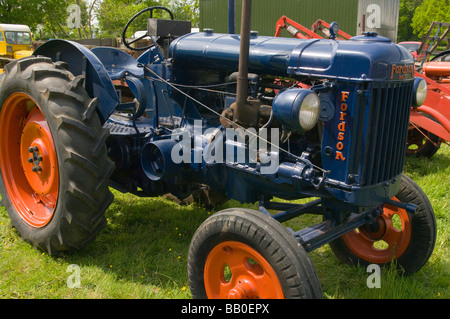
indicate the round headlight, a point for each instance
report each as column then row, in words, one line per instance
column 334, row 30
column 297, row 109
column 309, row 111
column 420, row 92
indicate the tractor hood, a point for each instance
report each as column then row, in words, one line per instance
column 367, row 58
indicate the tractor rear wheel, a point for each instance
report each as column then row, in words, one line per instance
column 406, row 238
column 53, row 158
column 244, row 254
column 422, row 143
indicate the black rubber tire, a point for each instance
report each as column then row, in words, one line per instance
column 268, row 237
column 423, row 233
column 83, row 164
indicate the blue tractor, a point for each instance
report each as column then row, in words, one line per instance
column 250, row 118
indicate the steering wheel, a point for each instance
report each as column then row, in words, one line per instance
column 129, row 43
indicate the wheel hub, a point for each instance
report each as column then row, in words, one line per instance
column 37, row 153
column 376, row 230
column 243, row 290
column 251, row 275
column 363, row 243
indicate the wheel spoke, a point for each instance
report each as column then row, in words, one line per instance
column 140, row 38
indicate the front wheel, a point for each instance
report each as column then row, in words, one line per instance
column 53, row 159
column 406, row 238
column 244, row 254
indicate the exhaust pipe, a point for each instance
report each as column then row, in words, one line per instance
column 245, row 111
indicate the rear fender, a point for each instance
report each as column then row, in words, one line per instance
column 81, row 61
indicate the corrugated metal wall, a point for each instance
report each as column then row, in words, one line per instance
column 381, row 14
column 265, row 13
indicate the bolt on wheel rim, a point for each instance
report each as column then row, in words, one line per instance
column 28, row 160
column 234, row 270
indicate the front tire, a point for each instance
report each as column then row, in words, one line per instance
column 406, row 238
column 53, row 158
column 244, row 254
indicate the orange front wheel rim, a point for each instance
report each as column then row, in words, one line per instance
column 234, row 270
column 28, row 160
column 388, row 241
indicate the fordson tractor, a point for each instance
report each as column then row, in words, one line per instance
column 252, row 118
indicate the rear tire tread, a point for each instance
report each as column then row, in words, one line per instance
column 81, row 151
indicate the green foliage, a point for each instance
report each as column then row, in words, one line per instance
column 51, row 14
column 112, row 15
column 415, row 17
column 407, row 10
column 428, row 11
column 186, row 10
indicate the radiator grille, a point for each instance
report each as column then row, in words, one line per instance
column 386, row 122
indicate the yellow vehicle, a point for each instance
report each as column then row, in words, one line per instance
column 15, row 43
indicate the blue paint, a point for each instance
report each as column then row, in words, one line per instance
column 359, row 168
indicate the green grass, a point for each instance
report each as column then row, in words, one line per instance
column 143, row 250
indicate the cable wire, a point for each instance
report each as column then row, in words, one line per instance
column 230, row 121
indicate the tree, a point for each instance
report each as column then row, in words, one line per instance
column 112, row 15
column 19, row 12
column 427, row 12
column 407, row 10
column 51, row 14
column 187, row 10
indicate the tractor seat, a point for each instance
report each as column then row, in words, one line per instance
column 117, row 63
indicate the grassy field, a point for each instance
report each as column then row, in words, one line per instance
column 143, row 250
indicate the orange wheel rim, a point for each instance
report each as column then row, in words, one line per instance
column 388, row 242
column 234, row 270
column 28, row 160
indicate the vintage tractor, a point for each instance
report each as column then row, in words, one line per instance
column 430, row 124
column 203, row 111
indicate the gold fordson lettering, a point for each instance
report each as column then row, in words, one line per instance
column 402, row 72
column 342, row 127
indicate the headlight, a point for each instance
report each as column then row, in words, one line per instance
column 309, row 111
column 420, row 92
column 297, row 109
column 334, row 30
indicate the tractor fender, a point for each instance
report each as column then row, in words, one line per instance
column 81, row 61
